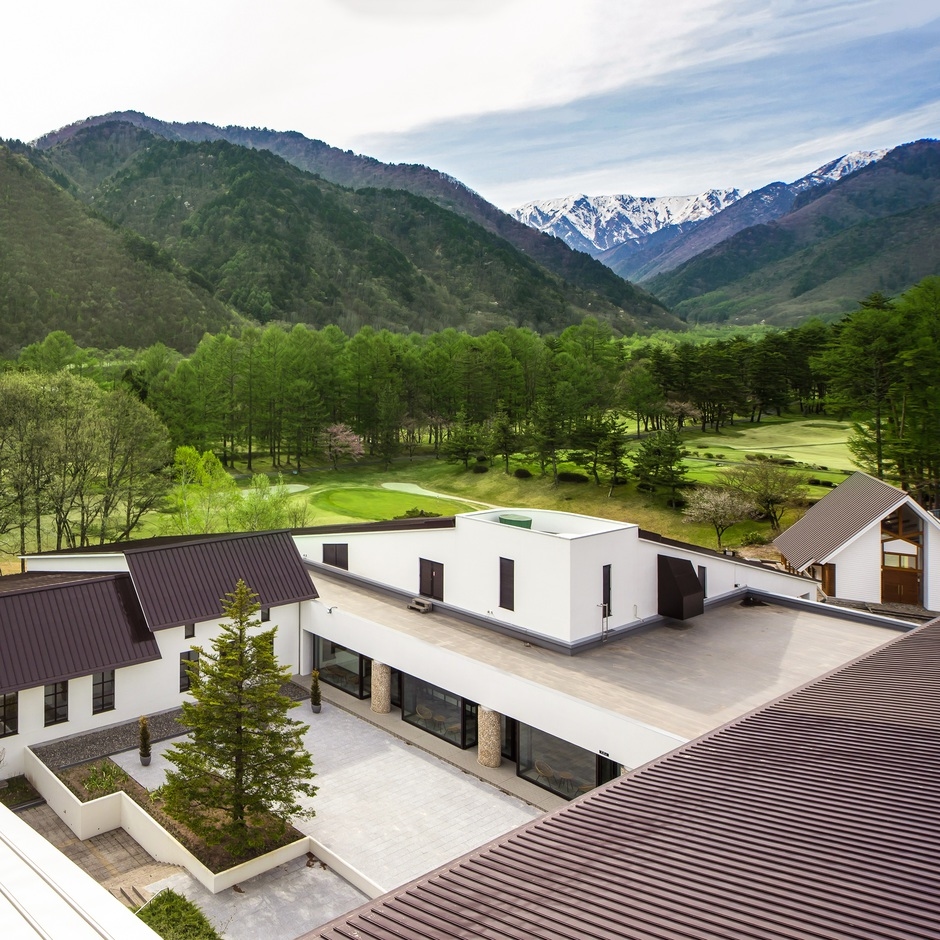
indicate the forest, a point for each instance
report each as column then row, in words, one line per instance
column 88, row 437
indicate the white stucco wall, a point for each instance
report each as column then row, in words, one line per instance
column 858, row 568
column 93, row 561
column 558, row 566
column 626, row 740
column 932, row 566
column 142, row 689
column 388, row 557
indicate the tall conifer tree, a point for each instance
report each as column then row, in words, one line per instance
column 244, row 762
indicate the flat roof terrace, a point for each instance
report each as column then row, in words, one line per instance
column 685, row 678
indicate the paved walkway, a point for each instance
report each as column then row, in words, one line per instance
column 113, row 859
column 389, row 809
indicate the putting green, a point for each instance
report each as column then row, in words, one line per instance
column 373, row 504
column 813, row 441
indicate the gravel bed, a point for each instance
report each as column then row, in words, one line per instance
column 123, row 737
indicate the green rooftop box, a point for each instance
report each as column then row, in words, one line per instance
column 512, row 518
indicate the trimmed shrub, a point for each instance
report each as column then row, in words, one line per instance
column 174, row 917
column 572, row 476
column 754, row 538
column 480, row 468
column 522, row 473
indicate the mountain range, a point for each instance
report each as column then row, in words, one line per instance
column 641, row 236
column 123, row 237
column 124, row 230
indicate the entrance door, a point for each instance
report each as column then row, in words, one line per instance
column 431, row 579
column 900, row 585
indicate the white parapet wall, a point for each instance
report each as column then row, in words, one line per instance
column 119, row 811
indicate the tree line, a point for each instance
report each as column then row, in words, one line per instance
column 297, row 396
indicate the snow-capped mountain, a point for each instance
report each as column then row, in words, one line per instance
column 837, row 169
column 597, row 224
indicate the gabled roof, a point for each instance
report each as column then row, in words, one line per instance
column 185, row 582
column 853, row 506
column 52, row 632
column 813, row 818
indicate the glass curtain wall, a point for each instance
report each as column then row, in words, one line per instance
column 439, row 712
column 344, row 668
column 560, row 766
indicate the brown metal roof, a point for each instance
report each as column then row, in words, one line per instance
column 837, row 518
column 384, row 525
column 53, row 632
column 29, row 579
column 814, row 818
column 185, row 582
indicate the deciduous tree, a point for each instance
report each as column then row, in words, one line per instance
column 718, row 506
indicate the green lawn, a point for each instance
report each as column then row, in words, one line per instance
column 358, row 491
column 819, row 442
column 338, row 502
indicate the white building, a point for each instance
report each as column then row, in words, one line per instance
column 573, row 646
column 868, row 541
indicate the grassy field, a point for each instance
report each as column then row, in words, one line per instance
column 366, row 493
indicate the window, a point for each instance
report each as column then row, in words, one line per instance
column 439, row 712
column 703, row 579
column 190, row 656
column 507, row 585
column 189, row 631
column 336, row 555
column 102, row 692
column 57, row 703
column 605, row 591
column 344, row 668
column 265, row 614
column 8, row 713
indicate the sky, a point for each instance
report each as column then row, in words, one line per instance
column 519, row 99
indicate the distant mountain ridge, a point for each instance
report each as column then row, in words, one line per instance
column 598, row 223
column 181, row 237
column 356, row 171
column 875, row 229
column 642, row 236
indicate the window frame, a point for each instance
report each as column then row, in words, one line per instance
column 336, row 554
column 9, row 714
column 187, row 656
column 102, row 692
column 55, row 703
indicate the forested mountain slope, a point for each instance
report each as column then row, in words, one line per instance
column 61, row 268
column 280, row 244
column 876, row 230
column 357, row 171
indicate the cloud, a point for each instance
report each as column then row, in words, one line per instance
column 732, row 121
column 519, row 98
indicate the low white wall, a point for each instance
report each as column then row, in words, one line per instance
column 118, row 810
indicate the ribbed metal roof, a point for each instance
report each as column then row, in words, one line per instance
column 53, row 632
column 837, row 518
column 186, row 582
column 814, row 818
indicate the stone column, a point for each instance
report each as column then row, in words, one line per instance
column 488, row 738
column 381, row 688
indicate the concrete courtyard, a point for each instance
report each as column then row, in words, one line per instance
column 386, row 807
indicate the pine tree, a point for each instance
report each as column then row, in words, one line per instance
column 240, row 773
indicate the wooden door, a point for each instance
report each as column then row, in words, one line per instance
column 900, row 586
